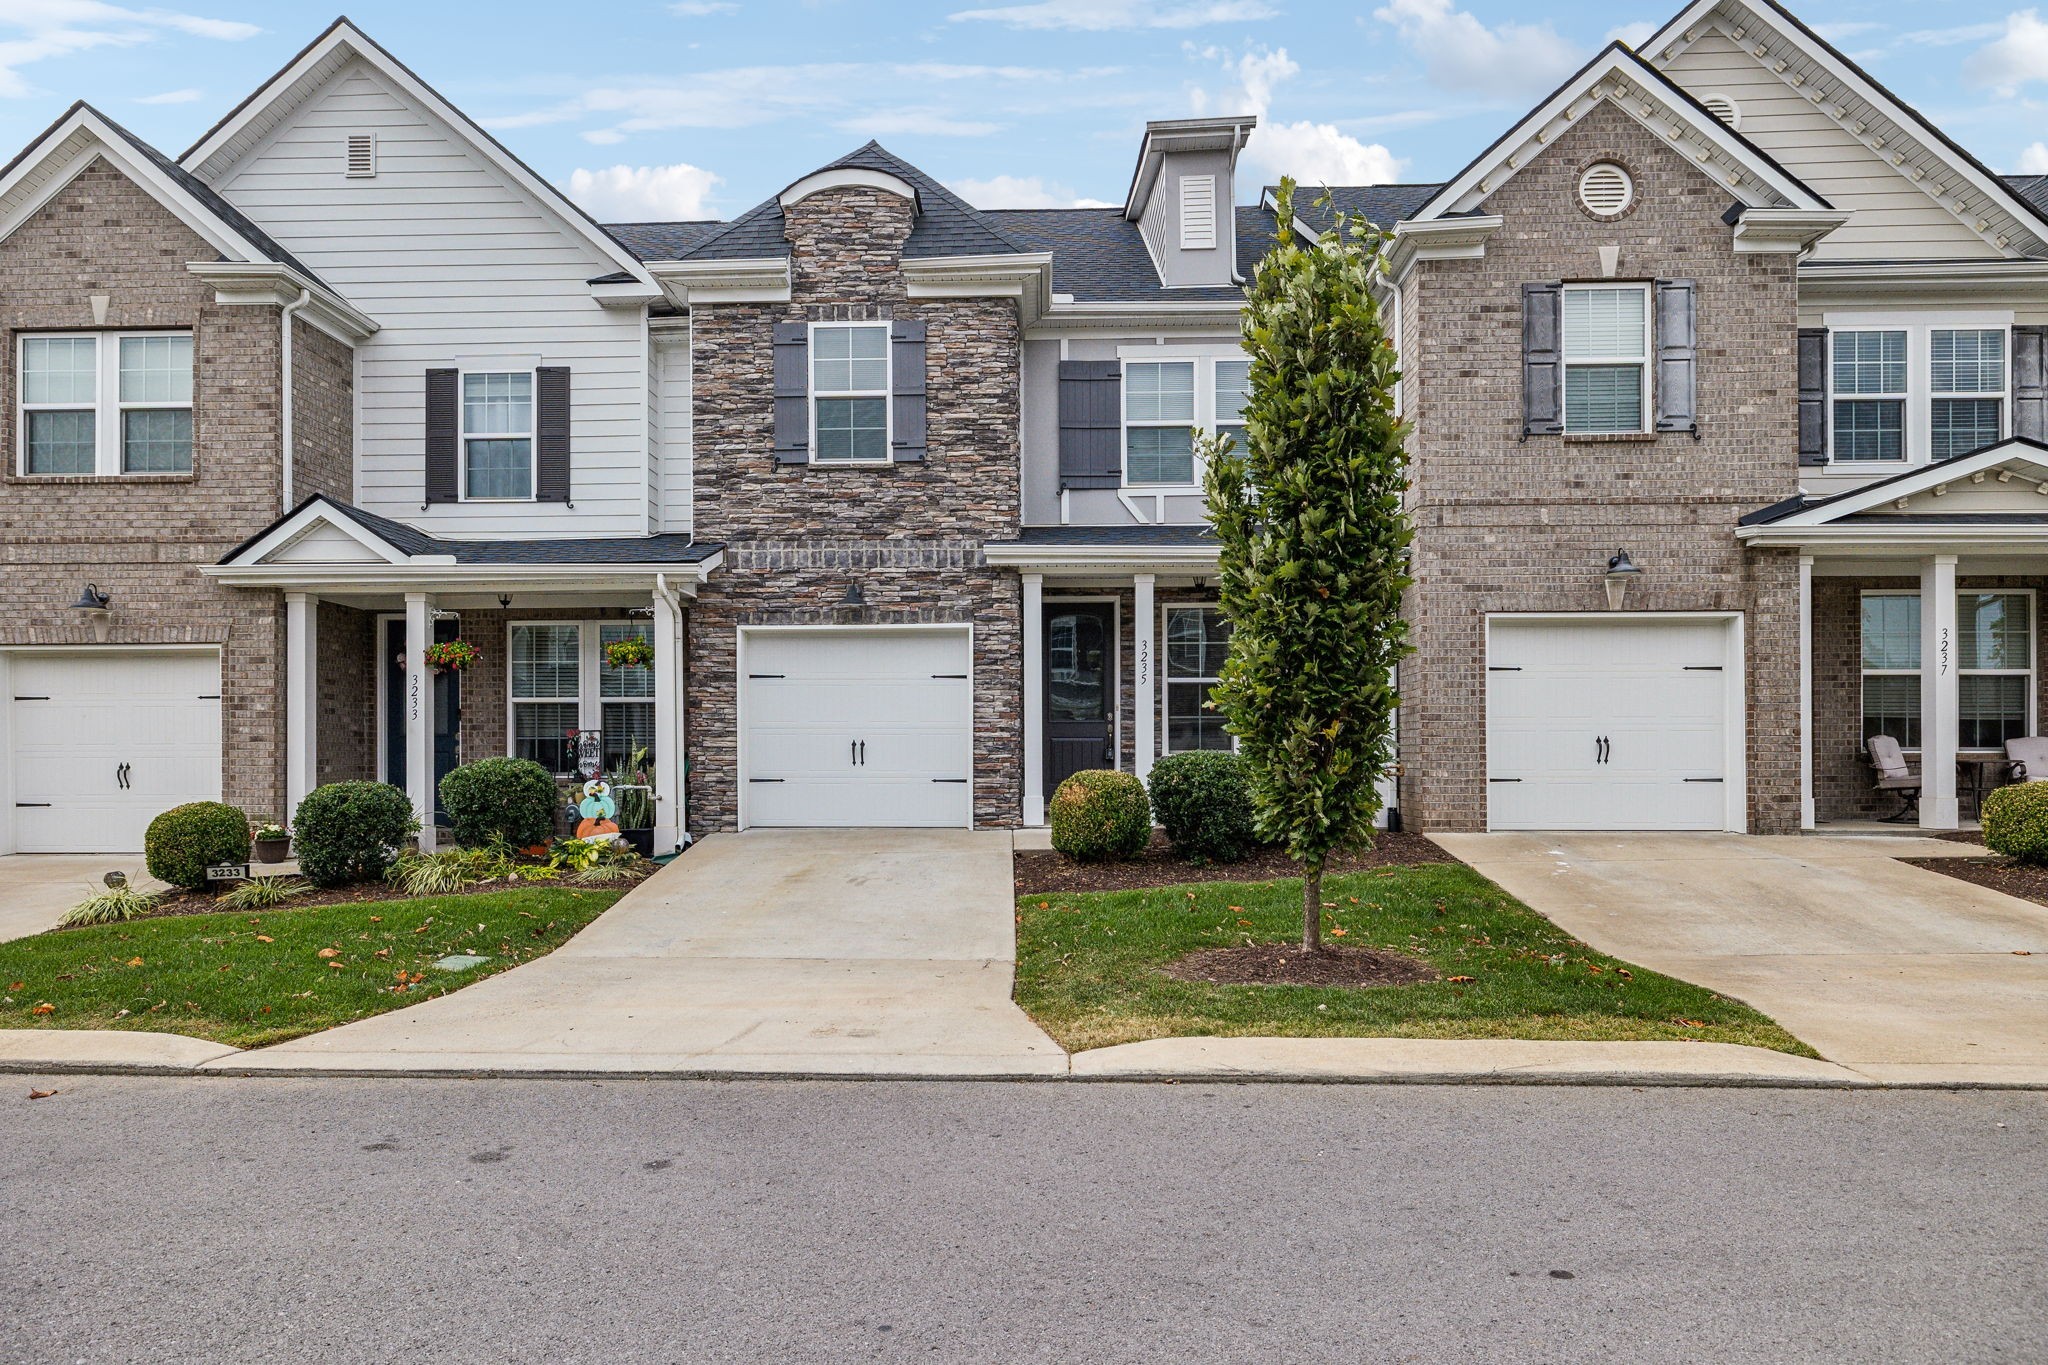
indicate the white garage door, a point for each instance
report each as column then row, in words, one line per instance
column 103, row 741
column 857, row 727
column 1597, row 723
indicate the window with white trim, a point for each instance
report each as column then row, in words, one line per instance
column 1606, row 358
column 1197, row 641
column 546, row 690
column 1172, row 399
column 105, row 403
column 1909, row 388
column 1994, row 667
column 625, row 699
column 1966, row 377
column 1870, row 395
column 497, row 436
column 850, row 393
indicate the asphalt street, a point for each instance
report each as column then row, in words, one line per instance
column 558, row 1221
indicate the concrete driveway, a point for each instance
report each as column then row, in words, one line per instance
column 1903, row 974
column 802, row 952
column 37, row 888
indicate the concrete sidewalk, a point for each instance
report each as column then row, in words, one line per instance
column 37, row 888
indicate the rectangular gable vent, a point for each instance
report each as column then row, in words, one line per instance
column 1197, row 212
column 362, row 154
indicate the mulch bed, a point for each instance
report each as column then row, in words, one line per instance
column 1269, row 964
column 2000, row 874
column 204, row 903
column 1042, row 870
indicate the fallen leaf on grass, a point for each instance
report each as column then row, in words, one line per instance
column 265, row 938
column 2017, row 952
column 339, row 966
column 1624, row 973
column 45, row 1008
column 1690, row 1023
column 135, row 962
column 328, row 952
column 18, row 986
column 382, row 952
column 1457, row 980
column 1339, row 933
column 376, row 919
column 40, row 1094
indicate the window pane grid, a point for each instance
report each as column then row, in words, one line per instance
column 546, row 662
column 850, row 360
column 540, row 731
column 497, row 404
column 1606, row 324
column 1160, row 391
column 156, row 441
column 1995, row 668
column 1870, row 362
column 60, row 371
column 1197, row 642
column 1961, row 425
column 156, row 370
column 1967, row 361
column 1870, row 430
column 1164, row 455
column 1603, row 398
column 1994, row 630
column 61, row 443
column 853, row 429
column 626, row 683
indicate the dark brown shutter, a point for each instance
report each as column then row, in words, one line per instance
column 1542, row 359
column 792, row 393
column 551, row 434
column 2030, row 383
column 1813, row 395
column 906, row 380
column 443, row 437
column 1677, row 356
column 1091, row 424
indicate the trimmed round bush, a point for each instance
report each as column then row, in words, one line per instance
column 1204, row 802
column 351, row 831
column 2015, row 821
column 500, row 798
column 1100, row 816
column 184, row 841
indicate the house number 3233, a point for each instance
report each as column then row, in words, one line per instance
column 415, row 696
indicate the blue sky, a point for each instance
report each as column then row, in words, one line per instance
column 687, row 108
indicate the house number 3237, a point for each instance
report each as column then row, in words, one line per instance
column 1942, row 654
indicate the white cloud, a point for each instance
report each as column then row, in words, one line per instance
column 916, row 123
column 58, row 28
column 698, row 9
column 1313, row 153
column 624, row 194
column 1460, row 53
column 1020, row 192
column 2034, row 160
column 185, row 96
column 1102, row 16
column 2018, row 56
column 1635, row 35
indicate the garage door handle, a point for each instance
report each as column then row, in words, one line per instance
column 1703, row 779
column 960, row 780
column 31, row 698
column 961, row 676
column 31, row 805
column 1503, row 779
column 208, row 696
column 767, row 675
column 765, row 779
column 1703, row 668
column 1503, row 668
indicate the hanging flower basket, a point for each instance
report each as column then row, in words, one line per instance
column 454, row 655
column 631, row 652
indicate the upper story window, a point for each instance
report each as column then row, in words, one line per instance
column 1907, row 390
column 105, row 403
column 850, row 393
column 497, row 436
column 1168, row 402
column 1606, row 358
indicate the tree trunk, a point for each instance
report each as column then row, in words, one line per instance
column 1312, row 908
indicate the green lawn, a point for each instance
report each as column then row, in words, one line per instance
column 254, row 978
column 1088, row 968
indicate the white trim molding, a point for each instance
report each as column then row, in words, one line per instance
column 847, row 177
column 762, row 279
column 1784, row 231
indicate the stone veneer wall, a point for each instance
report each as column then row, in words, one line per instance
column 1511, row 525
column 142, row 538
column 910, row 534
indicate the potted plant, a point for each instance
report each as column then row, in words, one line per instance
column 273, row 842
column 451, row 655
column 631, row 652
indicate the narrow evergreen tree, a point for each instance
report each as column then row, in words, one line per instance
column 1313, row 554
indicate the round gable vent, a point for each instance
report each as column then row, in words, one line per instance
column 1724, row 109
column 1606, row 190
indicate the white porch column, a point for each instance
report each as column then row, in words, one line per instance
column 301, row 700
column 1806, row 820
column 419, row 713
column 668, row 721
column 1940, row 702
column 1034, row 698
column 1144, row 676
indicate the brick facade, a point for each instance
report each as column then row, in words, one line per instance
column 1506, row 524
column 323, row 414
column 909, row 534
column 142, row 538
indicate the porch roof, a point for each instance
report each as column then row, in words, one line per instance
column 1129, row 548
column 1995, row 498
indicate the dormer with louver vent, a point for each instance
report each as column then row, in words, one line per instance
column 1182, row 195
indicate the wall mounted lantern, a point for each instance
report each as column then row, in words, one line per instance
column 854, row 599
column 1621, row 571
column 94, row 604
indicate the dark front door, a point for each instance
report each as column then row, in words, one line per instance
column 1080, row 690
column 447, row 709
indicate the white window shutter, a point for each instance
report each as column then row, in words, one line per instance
column 1197, row 212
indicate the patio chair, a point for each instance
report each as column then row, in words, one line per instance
column 1894, row 776
column 2029, row 758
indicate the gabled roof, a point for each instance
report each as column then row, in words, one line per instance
column 663, row 241
column 1618, row 76
column 2002, row 463
column 394, row 542
column 946, row 224
column 1381, row 205
column 1099, row 256
column 2032, row 188
column 1838, row 84
column 224, row 144
column 56, row 156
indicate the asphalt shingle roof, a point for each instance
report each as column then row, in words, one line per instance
column 663, row 241
column 1099, row 257
column 1380, row 205
column 2032, row 188
column 661, row 549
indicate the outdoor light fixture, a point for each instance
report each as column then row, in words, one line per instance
column 1621, row 571
column 853, row 600
column 504, row 601
column 94, row 604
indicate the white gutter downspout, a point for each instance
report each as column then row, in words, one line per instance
column 285, row 403
column 672, row 603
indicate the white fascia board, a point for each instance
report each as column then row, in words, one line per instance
column 1920, row 481
column 1227, row 133
column 843, row 177
column 441, row 574
column 626, row 295
column 1102, row 558
column 1784, row 231
column 759, row 280
column 344, row 39
column 99, row 142
column 1620, row 77
column 1693, row 19
column 306, row 519
column 1025, row 277
column 1937, row 538
column 274, row 283
column 1440, row 239
column 1123, row 319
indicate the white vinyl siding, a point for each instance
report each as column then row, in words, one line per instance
column 673, row 437
column 461, row 268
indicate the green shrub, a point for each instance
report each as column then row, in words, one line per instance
column 184, row 841
column 1100, row 815
column 351, row 831
column 450, row 869
column 2015, row 822
column 512, row 799
column 261, row 893
column 1204, row 802
column 115, row 905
